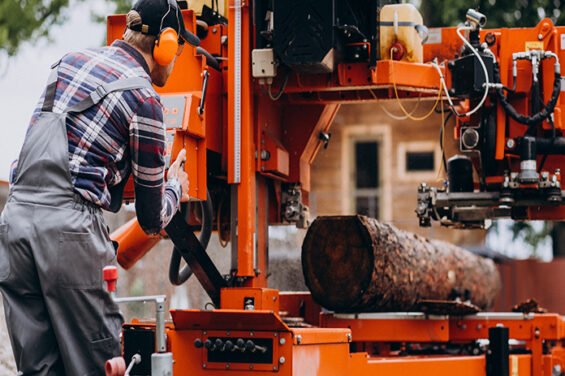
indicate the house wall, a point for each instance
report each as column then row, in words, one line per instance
column 332, row 168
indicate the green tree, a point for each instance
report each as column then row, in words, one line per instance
column 500, row 13
column 121, row 7
column 30, row 20
column 22, row 20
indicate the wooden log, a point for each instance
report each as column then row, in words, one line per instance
column 357, row 264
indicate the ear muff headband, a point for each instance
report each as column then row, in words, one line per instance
column 166, row 44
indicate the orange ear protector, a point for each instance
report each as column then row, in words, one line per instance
column 166, row 45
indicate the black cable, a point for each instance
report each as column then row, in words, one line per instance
column 553, row 136
column 275, row 97
column 178, row 276
column 535, row 104
column 532, row 119
column 441, row 141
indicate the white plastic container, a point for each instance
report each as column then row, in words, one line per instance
column 398, row 26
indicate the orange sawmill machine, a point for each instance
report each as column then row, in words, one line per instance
column 253, row 105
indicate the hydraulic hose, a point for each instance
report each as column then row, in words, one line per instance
column 532, row 119
column 211, row 61
column 176, row 276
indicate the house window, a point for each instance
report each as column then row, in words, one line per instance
column 366, row 182
column 420, row 161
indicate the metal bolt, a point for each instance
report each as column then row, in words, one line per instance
column 227, row 366
column 228, row 334
column 250, row 334
column 282, row 360
column 203, row 365
column 275, row 368
column 479, row 327
column 540, row 37
column 298, row 339
column 251, row 366
column 348, row 337
column 204, row 332
column 282, row 341
column 214, row 30
column 275, row 334
column 265, row 155
column 510, row 143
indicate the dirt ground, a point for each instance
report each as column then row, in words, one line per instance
column 7, row 365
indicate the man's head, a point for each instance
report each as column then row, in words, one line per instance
column 156, row 28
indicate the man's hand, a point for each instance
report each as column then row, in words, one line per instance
column 177, row 171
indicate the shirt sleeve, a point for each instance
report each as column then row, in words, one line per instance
column 156, row 201
column 13, row 168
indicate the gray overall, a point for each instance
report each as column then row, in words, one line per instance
column 53, row 246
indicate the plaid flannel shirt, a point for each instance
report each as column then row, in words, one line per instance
column 124, row 133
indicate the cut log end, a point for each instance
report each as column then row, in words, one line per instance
column 356, row 264
column 346, row 270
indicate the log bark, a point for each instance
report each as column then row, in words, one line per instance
column 357, row 264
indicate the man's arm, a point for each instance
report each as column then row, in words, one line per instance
column 155, row 201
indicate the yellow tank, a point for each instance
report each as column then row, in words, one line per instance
column 196, row 6
column 399, row 23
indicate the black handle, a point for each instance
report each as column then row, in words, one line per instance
column 204, row 90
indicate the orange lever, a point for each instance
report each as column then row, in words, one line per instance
column 133, row 243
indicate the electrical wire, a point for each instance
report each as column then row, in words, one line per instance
column 409, row 116
column 444, row 120
column 279, row 94
column 441, row 143
column 486, row 84
column 391, row 115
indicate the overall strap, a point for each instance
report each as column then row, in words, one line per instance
column 50, row 90
column 105, row 89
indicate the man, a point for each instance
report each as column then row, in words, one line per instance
column 84, row 140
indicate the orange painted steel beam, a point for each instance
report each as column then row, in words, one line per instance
column 549, row 326
column 326, row 351
column 302, row 126
column 390, row 327
column 263, row 299
column 445, row 365
column 241, row 148
column 403, row 74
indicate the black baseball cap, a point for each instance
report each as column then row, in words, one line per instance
column 159, row 14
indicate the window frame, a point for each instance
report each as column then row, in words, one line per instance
column 417, row 147
column 367, row 133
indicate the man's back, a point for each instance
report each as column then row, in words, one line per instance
column 99, row 138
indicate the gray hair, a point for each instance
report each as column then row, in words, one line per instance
column 137, row 39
